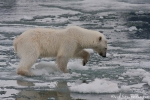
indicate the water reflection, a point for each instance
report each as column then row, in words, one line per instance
column 61, row 92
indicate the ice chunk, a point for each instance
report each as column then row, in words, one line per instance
column 120, row 78
column 146, row 80
column 27, row 18
column 97, row 86
column 89, row 50
column 136, row 72
column 145, row 64
column 45, row 68
column 49, row 84
column 139, row 72
column 133, row 28
column 76, row 66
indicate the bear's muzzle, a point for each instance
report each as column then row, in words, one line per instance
column 102, row 54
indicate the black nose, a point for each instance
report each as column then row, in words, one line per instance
column 100, row 54
column 104, row 56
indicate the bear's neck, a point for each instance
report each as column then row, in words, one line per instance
column 89, row 44
column 88, row 40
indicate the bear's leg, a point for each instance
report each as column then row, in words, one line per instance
column 25, row 65
column 84, row 55
column 62, row 63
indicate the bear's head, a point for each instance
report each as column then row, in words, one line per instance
column 101, row 47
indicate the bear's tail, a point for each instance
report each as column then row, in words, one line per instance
column 15, row 44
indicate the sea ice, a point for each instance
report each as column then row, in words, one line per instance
column 139, row 72
column 97, row 86
column 77, row 66
column 136, row 72
column 133, row 28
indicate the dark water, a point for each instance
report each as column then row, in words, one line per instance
column 126, row 24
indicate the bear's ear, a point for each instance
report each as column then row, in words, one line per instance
column 100, row 38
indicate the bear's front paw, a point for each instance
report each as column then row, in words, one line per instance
column 24, row 72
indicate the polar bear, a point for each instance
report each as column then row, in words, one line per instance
column 60, row 43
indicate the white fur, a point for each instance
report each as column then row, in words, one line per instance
column 62, row 44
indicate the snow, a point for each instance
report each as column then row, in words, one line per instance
column 97, row 86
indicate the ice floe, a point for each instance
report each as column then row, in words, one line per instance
column 139, row 73
column 96, row 86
